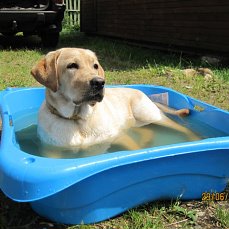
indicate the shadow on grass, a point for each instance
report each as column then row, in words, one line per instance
column 117, row 54
column 19, row 42
column 114, row 54
column 15, row 215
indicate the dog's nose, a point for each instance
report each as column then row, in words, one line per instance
column 97, row 83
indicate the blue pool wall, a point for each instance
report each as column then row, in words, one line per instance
column 96, row 188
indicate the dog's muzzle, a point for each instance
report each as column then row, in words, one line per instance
column 97, row 89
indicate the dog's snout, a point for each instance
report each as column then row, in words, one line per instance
column 97, row 83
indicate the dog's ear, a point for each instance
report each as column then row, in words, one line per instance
column 101, row 71
column 45, row 71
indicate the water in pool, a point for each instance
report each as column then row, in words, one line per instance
column 147, row 136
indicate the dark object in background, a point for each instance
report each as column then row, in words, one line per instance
column 33, row 17
column 191, row 26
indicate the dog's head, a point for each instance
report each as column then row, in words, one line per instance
column 75, row 73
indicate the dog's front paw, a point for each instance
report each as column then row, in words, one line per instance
column 183, row 112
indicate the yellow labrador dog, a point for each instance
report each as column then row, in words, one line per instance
column 79, row 112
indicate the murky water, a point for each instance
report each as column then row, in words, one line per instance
column 145, row 137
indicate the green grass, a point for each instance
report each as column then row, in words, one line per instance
column 222, row 215
column 15, row 66
column 123, row 64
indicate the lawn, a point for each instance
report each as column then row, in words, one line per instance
column 123, row 64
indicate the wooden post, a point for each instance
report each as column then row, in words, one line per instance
column 73, row 11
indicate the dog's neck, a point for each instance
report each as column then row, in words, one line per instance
column 65, row 108
column 54, row 111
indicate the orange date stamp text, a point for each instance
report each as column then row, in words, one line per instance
column 214, row 196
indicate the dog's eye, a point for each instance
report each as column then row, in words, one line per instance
column 73, row 65
column 96, row 66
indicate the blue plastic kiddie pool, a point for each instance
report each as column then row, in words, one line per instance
column 92, row 189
